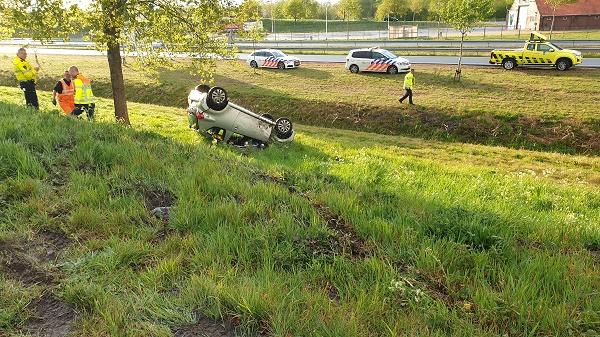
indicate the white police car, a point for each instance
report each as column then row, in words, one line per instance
column 272, row 58
column 376, row 60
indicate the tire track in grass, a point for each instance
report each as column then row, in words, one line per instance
column 27, row 261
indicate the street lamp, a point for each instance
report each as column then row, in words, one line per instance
column 272, row 19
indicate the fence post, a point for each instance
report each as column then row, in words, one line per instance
column 484, row 32
column 519, row 37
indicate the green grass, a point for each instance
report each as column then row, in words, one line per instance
column 534, row 108
column 438, row 239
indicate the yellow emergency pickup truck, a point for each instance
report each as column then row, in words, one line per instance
column 538, row 51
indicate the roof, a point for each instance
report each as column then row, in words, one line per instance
column 581, row 7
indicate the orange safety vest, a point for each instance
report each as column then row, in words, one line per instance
column 67, row 98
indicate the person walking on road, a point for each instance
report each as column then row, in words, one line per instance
column 27, row 76
column 63, row 92
column 409, row 82
column 84, row 97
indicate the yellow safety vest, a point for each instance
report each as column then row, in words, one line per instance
column 83, row 90
column 23, row 70
column 409, row 81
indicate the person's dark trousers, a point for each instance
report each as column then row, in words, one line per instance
column 407, row 94
column 31, row 98
column 88, row 108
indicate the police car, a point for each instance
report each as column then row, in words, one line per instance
column 272, row 58
column 376, row 60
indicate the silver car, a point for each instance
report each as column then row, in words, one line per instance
column 211, row 113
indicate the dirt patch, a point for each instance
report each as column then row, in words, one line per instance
column 205, row 327
column 26, row 261
column 50, row 317
column 345, row 233
column 155, row 196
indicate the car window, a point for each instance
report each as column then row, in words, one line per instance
column 544, row 47
column 531, row 47
column 279, row 54
column 362, row 54
column 388, row 54
column 267, row 54
column 554, row 46
column 377, row 55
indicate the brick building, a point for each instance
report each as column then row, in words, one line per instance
column 537, row 15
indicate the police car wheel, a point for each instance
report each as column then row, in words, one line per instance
column 253, row 64
column 562, row 65
column 392, row 70
column 280, row 66
column 284, row 128
column 508, row 64
column 216, row 98
column 354, row 69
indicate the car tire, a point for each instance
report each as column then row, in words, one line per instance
column 563, row 64
column 253, row 64
column 217, row 99
column 509, row 64
column 280, row 65
column 284, row 128
column 354, row 69
column 392, row 70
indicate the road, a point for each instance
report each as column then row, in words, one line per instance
column 475, row 61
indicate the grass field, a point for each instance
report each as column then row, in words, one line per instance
column 535, row 109
column 340, row 233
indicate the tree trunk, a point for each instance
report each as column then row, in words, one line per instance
column 552, row 24
column 459, row 69
column 117, row 83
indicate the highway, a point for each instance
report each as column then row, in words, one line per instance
column 474, row 61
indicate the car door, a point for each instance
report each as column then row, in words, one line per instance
column 362, row 59
column 270, row 61
column 379, row 62
column 529, row 53
column 545, row 53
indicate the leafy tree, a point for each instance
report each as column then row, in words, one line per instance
column 462, row 15
column 157, row 30
column 249, row 11
column 295, row 9
column 555, row 4
column 349, row 9
column 391, row 8
column 417, row 6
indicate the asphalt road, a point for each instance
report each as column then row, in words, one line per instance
column 475, row 61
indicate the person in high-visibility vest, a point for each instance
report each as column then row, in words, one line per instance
column 84, row 97
column 64, row 92
column 27, row 76
column 409, row 82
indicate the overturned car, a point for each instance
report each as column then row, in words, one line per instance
column 211, row 113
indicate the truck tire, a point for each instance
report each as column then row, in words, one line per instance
column 392, row 70
column 217, row 99
column 563, row 64
column 354, row 69
column 509, row 64
column 283, row 128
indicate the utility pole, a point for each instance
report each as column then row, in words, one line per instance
column 272, row 18
column 326, row 28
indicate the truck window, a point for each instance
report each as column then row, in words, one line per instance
column 531, row 47
column 544, row 47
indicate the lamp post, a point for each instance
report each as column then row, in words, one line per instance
column 272, row 18
column 326, row 19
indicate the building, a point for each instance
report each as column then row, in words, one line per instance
column 537, row 15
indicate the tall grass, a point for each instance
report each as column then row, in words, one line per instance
column 455, row 239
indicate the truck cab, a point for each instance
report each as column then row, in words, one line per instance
column 538, row 51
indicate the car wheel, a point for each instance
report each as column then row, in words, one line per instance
column 563, row 64
column 280, row 66
column 284, row 128
column 509, row 64
column 354, row 69
column 392, row 70
column 253, row 64
column 216, row 98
